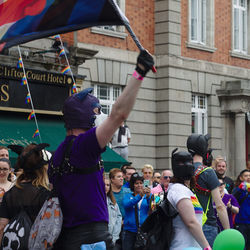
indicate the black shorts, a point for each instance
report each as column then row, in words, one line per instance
column 73, row 238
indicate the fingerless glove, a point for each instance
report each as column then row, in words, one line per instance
column 146, row 60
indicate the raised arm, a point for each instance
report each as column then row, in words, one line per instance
column 125, row 102
column 186, row 211
column 130, row 201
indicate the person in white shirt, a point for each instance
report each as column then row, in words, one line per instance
column 120, row 141
column 187, row 224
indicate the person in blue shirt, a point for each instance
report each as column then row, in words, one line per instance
column 140, row 198
column 242, row 194
column 116, row 178
column 129, row 170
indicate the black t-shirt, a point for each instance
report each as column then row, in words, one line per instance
column 29, row 198
column 208, row 180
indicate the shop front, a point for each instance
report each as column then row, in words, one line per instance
column 48, row 92
column 44, row 94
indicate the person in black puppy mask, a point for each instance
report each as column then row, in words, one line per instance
column 187, row 225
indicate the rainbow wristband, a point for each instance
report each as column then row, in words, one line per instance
column 137, row 76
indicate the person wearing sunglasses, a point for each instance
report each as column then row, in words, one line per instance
column 159, row 192
column 164, row 182
column 156, row 178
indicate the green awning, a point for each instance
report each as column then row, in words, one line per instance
column 16, row 129
column 112, row 160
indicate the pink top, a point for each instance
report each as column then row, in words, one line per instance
column 157, row 189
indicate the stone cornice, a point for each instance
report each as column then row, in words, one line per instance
column 191, row 64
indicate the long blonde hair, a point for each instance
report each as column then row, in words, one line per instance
column 37, row 176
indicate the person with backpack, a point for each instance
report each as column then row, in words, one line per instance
column 79, row 183
column 21, row 204
column 207, row 186
column 187, row 225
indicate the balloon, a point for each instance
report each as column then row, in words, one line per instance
column 229, row 239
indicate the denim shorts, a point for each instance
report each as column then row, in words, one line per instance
column 210, row 233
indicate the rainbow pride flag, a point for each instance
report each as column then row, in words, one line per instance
column 245, row 186
column 24, row 81
column 31, row 115
column 65, row 70
column 56, row 37
column 197, row 206
column 62, row 52
column 20, row 63
column 36, row 133
column 26, row 20
column 74, row 89
column 28, row 98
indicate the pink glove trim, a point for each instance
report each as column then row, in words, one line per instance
column 137, row 76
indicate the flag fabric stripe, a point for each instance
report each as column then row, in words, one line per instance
column 74, row 90
column 30, row 20
column 36, row 133
column 20, row 63
column 28, row 98
column 65, row 70
column 197, row 207
column 24, row 81
column 31, row 115
column 62, row 52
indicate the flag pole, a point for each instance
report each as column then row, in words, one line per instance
column 129, row 29
column 31, row 102
column 66, row 57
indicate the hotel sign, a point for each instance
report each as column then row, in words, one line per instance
column 48, row 90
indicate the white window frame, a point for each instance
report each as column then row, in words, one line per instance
column 198, row 21
column 200, row 126
column 107, row 102
column 204, row 18
column 112, row 30
column 240, row 26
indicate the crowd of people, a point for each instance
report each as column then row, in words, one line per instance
column 108, row 209
column 130, row 191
